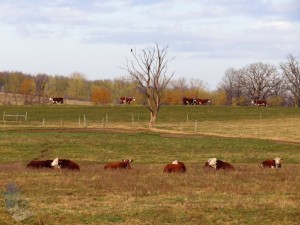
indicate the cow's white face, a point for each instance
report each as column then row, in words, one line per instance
column 212, row 162
column 277, row 161
column 50, row 99
column 127, row 160
column 175, row 162
column 252, row 102
column 55, row 163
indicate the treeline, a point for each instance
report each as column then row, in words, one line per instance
column 280, row 86
column 37, row 89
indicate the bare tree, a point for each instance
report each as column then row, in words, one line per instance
column 259, row 80
column 149, row 70
column 291, row 75
column 40, row 84
column 232, row 85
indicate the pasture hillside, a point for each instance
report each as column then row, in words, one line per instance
column 145, row 195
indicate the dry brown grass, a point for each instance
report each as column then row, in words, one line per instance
column 145, row 195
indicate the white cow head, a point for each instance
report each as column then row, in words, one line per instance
column 55, row 163
column 277, row 162
column 212, row 162
column 127, row 160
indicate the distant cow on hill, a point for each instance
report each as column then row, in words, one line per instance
column 40, row 164
column 57, row 100
column 188, row 101
column 126, row 100
column 65, row 164
column 175, row 167
column 202, row 101
column 259, row 102
column 124, row 164
column 272, row 163
column 218, row 164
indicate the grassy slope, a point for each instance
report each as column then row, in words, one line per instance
column 145, row 195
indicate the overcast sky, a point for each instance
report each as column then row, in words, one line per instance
column 206, row 37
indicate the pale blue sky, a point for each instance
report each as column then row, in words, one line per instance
column 206, row 37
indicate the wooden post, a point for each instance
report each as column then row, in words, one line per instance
column 132, row 119
column 196, row 126
column 187, row 118
column 79, row 121
column 43, row 122
column 84, row 124
column 106, row 119
column 26, row 116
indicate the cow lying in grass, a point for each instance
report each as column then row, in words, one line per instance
column 124, row 164
column 40, row 164
column 218, row 164
column 175, row 167
column 65, row 164
column 272, row 163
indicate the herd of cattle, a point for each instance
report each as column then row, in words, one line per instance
column 174, row 167
column 185, row 101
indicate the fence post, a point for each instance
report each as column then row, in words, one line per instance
column 132, row 118
column 84, row 124
column 43, row 121
column 79, row 121
column 187, row 118
column 106, row 119
column 26, row 116
column 196, row 126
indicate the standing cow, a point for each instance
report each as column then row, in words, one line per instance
column 124, row 164
column 218, row 164
column 175, row 167
column 126, row 100
column 259, row 102
column 188, row 101
column 57, row 100
column 272, row 163
column 202, row 101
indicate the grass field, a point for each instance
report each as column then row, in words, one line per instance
column 144, row 195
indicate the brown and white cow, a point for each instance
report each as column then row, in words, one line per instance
column 175, row 167
column 124, row 164
column 188, row 101
column 126, row 100
column 200, row 101
column 272, row 163
column 57, row 100
column 259, row 102
column 218, row 164
column 65, row 164
column 40, row 164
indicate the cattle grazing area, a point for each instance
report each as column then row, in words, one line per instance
column 145, row 194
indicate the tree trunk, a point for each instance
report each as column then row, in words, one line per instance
column 152, row 119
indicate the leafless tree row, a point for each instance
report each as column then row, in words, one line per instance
column 263, row 81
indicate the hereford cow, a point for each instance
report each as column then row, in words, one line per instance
column 188, row 101
column 218, row 164
column 259, row 102
column 126, row 100
column 65, row 164
column 124, row 164
column 202, row 101
column 40, row 164
column 57, row 100
column 272, row 163
column 175, row 167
